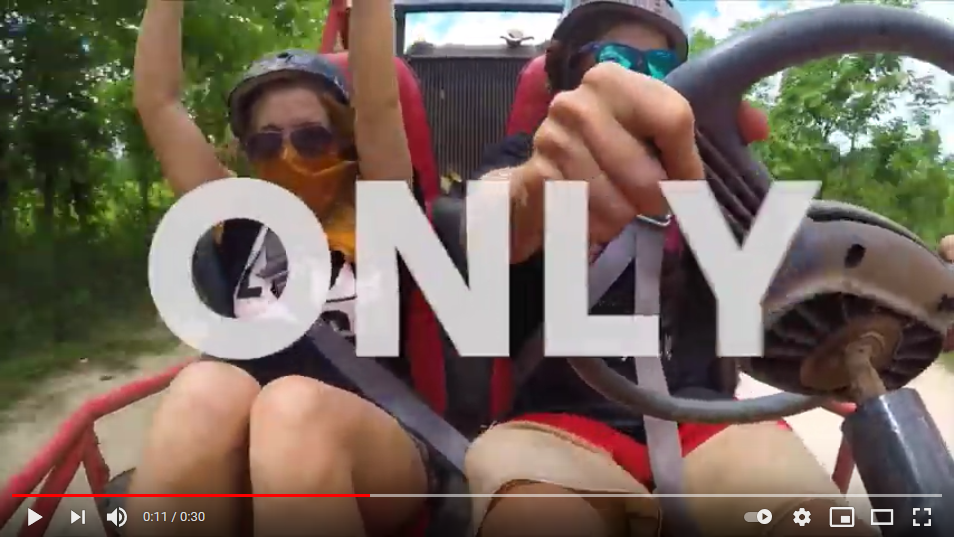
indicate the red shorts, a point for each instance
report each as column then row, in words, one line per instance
column 627, row 452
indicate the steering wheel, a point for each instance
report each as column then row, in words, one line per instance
column 865, row 286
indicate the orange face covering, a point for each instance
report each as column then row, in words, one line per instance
column 326, row 185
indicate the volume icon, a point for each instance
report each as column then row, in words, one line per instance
column 117, row 516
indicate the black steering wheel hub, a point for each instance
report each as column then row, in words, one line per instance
column 806, row 349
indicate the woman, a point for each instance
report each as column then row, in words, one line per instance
column 282, row 424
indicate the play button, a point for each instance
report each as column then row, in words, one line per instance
column 73, row 517
column 32, row 517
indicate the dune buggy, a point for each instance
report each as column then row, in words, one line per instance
column 858, row 309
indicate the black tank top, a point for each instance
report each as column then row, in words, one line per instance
column 688, row 343
column 256, row 270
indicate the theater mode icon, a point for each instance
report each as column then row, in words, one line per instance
column 882, row 517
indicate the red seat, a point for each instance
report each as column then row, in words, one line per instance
column 415, row 124
column 531, row 99
column 422, row 344
column 530, row 103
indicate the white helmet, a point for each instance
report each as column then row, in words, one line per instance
column 585, row 17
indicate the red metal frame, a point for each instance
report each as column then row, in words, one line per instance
column 844, row 462
column 75, row 443
column 335, row 25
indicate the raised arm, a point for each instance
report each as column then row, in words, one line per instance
column 379, row 127
column 186, row 156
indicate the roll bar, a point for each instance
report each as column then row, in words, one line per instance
column 336, row 27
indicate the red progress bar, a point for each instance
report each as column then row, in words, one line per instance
column 191, row 495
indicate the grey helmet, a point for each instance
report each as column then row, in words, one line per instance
column 581, row 19
column 281, row 65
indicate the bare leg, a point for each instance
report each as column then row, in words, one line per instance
column 560, row 516
column 516, row 459
column 310, row 438
column 197, row 445
column 761, row 458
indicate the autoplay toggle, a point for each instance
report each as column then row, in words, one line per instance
column 762, row 517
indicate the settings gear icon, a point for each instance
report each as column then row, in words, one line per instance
column 802, row 517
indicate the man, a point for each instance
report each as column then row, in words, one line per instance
column 610, row 117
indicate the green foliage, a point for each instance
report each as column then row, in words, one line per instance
column 80, row 191
column 861, row 125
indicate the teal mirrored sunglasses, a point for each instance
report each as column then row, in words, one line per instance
column 656, row 63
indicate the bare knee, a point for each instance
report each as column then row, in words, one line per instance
column 297, row 400
column 296, row 406
column 563, row 515
column 198, row 438
column 209, row 399
column 335, row 427
column 309, row 436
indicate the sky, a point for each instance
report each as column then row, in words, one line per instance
column 715, row 17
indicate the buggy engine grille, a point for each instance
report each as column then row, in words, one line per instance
column 467, row 101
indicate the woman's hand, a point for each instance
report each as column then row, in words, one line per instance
column 623, row 133
column 946, row 249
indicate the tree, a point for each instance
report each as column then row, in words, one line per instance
column 79, row 187
column 836, row 120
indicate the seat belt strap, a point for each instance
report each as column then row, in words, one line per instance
column 379, row 385
column 662, row 436
column 603, row 273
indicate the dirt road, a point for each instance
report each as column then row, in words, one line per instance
column 122, row 433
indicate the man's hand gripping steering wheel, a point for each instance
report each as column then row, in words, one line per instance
column 623, row 133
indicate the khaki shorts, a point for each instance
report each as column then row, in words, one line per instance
column 763, row 458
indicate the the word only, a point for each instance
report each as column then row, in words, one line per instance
column 474, row 313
